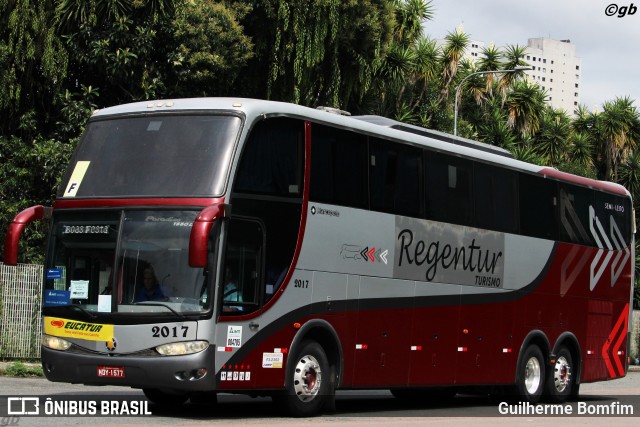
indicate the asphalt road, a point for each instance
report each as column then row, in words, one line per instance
column 352, row 408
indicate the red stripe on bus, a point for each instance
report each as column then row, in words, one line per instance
column 137, row 202
column 587, row 182
column 303, row 216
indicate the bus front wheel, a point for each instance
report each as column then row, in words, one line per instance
column 530, row 376
column 308, row 384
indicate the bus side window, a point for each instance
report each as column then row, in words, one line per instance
column 395, row 178
column 574, row 205
column 241, row 273
column 338, row 167
column 271, row 160
column 448, row 189
column 538, row 207
column 495, row 198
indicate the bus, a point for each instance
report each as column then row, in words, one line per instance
column 222, row 245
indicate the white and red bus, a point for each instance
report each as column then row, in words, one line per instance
column 217, row 245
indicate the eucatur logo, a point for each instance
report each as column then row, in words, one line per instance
column 57, row 323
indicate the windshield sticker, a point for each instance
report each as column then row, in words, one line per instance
column 104, row 303
column 234, row 336
column 54, row 273
column 79, row 289
column 55, row 297
column 76, row 178
column 74, row 329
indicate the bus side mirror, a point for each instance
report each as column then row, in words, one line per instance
column 17, row 226
column 199, row 238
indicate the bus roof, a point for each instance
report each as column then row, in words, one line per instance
column 372, row 125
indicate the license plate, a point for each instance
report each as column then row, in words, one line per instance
column 111, row 371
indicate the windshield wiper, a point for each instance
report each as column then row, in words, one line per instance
column 159, row 304
column 85, row 311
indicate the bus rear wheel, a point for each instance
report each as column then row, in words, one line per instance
column 308, row 381
column 530, row 376
column 560, row 381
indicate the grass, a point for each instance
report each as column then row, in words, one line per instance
column 20, row 369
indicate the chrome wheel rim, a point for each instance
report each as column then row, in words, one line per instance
column 532, row 375
column 562, row 374
column 307, row 378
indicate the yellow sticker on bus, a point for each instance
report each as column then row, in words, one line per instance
column 75, row 329
column 76, row 178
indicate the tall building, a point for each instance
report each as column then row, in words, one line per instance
column 557, row 70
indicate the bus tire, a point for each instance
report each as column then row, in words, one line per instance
column 530, row 375
column 163, row 398
column 559, row 379
column 308, row 383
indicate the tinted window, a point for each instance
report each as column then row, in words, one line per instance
column 448, row 189
column 395, row 178
column 538, row 207
column 614, row 214
column 574, row 214
column 242, row 272
column 152, row 156
column 272, row 159
column 495, row 196
column 338, row 167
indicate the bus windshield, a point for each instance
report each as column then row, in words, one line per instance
column 147, row 272
column 152, row 156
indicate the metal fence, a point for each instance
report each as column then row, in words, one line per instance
column 21, row 323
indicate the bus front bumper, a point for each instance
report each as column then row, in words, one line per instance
column 184, row 373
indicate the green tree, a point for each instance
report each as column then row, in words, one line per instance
column 618, row 127
column 629, row 175
column 525, row 106
column 491, row 60
column 211, row 50
column 494, row 129
column 317, row 52
column 514, row 57
column 452, row 52
column 553, row 138
column 34, row 62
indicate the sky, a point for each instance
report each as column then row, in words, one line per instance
column 609, row 46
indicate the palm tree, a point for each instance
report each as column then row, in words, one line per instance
column 629, row 174
column 490, row 61
column 525, row 105
column 452, row 52
column 495, row 129
column 514, row 57
column 553, row 140
column 581, row 151
column 619, row 128
column 425, row 67
column 410, row 15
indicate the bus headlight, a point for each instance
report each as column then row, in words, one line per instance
column 182, row 348
column 55, row 343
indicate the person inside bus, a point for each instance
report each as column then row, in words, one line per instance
column 151, row 290
column 231, row 292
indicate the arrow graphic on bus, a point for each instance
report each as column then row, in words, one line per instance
column 607, row 249
column 367, row 254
